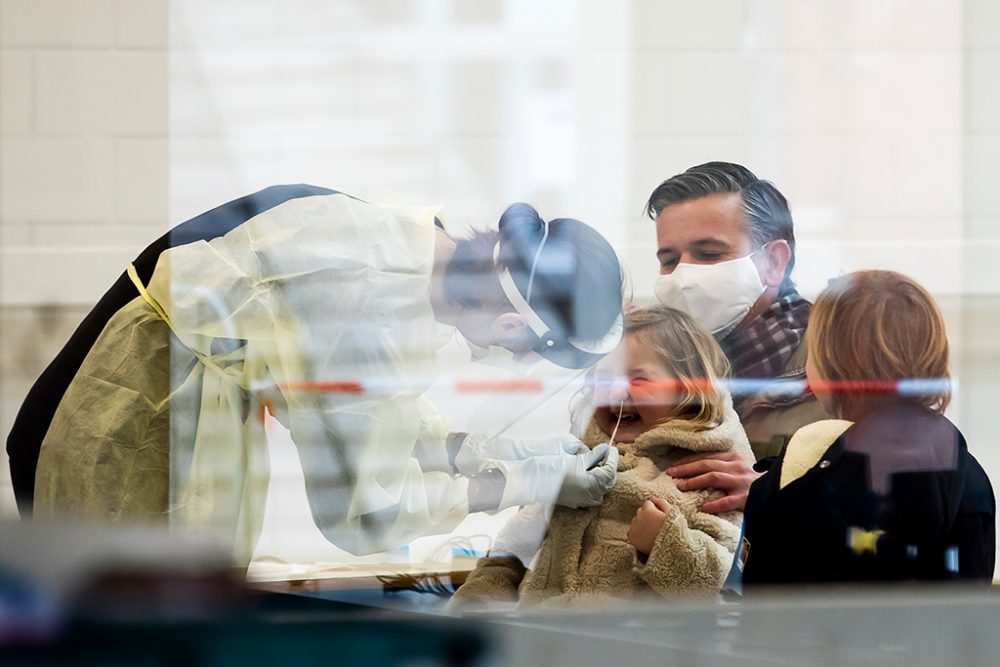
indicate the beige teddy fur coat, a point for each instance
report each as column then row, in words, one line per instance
column 584, row 553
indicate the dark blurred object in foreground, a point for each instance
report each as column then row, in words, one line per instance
column 51, row 573
column 75, row 594
column 309, row 637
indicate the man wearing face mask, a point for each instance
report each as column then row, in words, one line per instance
column 726, row 248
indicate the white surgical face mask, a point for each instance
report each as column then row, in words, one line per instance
column 494, row 355
column 718, row 296
column 480, row 353
column 498, row 357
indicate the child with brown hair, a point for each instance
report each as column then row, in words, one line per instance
column 657, row 400
column 889, row 491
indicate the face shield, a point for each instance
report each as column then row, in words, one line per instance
column 567, row 352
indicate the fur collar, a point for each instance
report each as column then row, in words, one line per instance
column 657, row 440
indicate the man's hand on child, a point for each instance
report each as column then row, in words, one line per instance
column 729, row 472
column 647, row 524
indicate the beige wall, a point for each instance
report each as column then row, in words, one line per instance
column 879, row 120
column 84, row 123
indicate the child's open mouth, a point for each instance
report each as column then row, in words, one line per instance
column 628, row 416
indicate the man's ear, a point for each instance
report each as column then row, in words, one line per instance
column 775, row 256
column 511, row 331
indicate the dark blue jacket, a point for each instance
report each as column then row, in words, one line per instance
column 897, row 497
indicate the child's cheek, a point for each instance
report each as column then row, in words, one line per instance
column 648, row 392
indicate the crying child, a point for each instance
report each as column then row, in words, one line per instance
column 657, row 400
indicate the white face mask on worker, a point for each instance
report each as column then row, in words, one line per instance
column 718, row 296
column 498, row 357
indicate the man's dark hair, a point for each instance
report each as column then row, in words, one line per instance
column 766, row 209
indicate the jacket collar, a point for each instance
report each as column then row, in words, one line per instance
column 678, row 434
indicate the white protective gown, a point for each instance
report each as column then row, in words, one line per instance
column 318, row 308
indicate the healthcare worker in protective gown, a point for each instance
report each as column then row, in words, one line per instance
column 325, row 311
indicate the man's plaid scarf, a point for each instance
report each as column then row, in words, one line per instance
column 762, row 349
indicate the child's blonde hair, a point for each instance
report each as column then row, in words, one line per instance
column 691, row 355
column 870, row 329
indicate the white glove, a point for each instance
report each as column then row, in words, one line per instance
column 587, row 489
column 540, row 479
column 477, row 448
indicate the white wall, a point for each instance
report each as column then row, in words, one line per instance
column 878, row 119
column 84, row 123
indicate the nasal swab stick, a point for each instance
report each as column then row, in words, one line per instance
column 621, row 408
